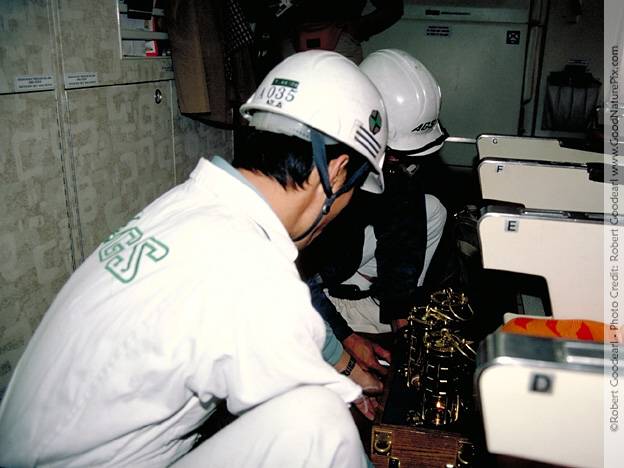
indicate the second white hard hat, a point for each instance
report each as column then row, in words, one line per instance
column 412, row 97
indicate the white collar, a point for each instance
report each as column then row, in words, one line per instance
column 236, row 191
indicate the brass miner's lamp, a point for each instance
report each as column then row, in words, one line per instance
column 439, row 362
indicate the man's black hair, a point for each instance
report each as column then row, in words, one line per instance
column 287, row 159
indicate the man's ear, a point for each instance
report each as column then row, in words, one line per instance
column 338, row 171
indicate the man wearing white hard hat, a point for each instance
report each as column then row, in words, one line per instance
column 197, row 300
column 375, row 279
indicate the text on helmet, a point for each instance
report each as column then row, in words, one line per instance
column 281, row 90
column 425, row 126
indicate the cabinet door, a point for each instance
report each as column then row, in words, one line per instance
column 26, row 51
column 35, row 247
column 122, row 152
column 89, row 32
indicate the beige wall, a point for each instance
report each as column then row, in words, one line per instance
column 77, row 162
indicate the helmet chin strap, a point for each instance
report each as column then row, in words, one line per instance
column 319, row 157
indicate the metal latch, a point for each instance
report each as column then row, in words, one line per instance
column 382, row 441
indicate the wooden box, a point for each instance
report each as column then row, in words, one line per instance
column 394, row 446
column 394, row 443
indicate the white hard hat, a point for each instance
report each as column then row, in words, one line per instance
column 323, row 91
column 412, row 97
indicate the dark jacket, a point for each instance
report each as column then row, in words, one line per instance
column 399, row 219
column 211, row 51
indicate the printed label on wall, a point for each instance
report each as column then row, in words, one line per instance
column 33, row 82
column 77, row 80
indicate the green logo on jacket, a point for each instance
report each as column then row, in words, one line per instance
column 125, row 249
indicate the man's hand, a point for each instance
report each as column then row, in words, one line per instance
column 367, row 353
column 367, row 406
column 370, row 384
column 398, row 324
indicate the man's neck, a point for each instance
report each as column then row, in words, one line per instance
column 289, row 204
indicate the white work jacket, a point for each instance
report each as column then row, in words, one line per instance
column 196, row 299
